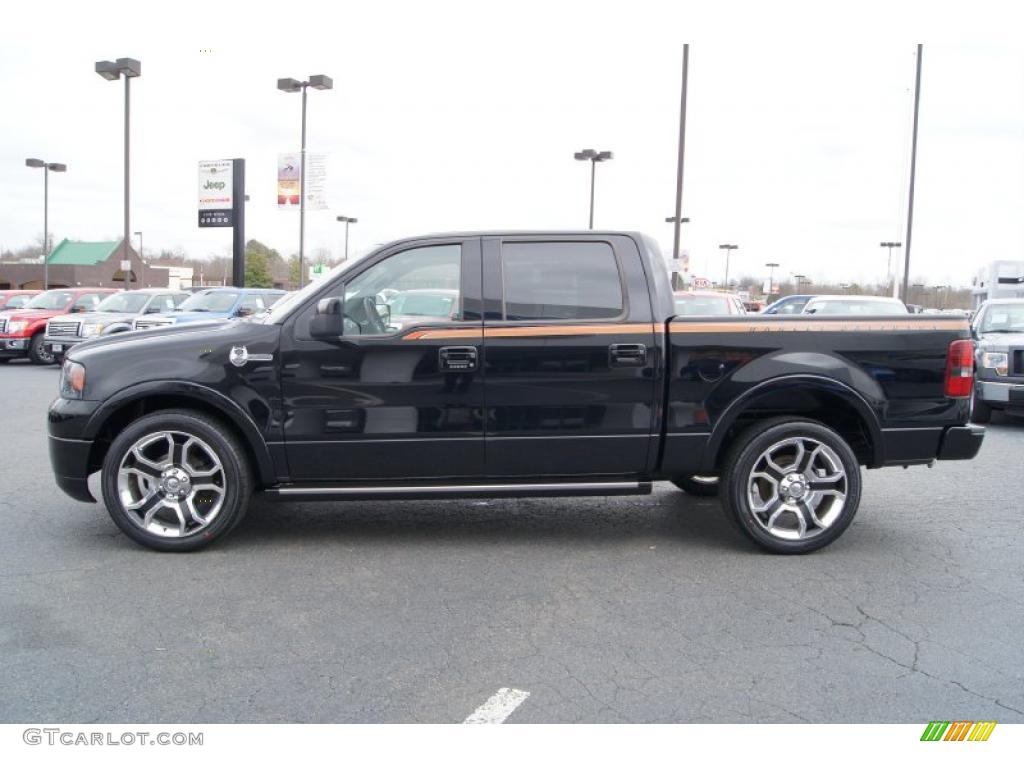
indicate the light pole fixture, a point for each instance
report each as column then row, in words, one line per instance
column 112, row 70
column 888, row 264
column 728, row 248
column 673, row 220
column 291, row 85
column 34, row 162
column 594, row 157
column 348, row 220
column 771, row 277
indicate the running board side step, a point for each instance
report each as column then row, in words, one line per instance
column 501, row 490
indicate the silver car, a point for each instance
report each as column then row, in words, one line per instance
column 113, row 315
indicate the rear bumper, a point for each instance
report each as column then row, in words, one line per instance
column 961, row 442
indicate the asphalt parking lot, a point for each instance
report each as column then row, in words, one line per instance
column 646, row 609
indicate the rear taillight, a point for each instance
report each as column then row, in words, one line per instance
column 960, row 368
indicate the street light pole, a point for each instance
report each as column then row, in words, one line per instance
column 888, row 263
column 112, row 70
column 291, row 85
column 913, row 168
column 348, row 220
column 594, row 157
column 678, row 221
column 728, row 248
column 771, row 278
column 34, row 162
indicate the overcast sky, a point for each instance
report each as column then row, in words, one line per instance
column 466, row 116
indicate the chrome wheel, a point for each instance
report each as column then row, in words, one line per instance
column 171, row 484
column 797, row 488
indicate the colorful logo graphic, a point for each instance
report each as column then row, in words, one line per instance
column 958, row 730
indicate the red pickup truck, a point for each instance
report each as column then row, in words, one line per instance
column 16, row 299
column 22, row 330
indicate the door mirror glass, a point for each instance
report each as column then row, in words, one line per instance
column 329, row 320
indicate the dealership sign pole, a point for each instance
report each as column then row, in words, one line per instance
column 222, row 204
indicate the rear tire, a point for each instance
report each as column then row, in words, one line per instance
column 177, row 480
column 697, row 485
column 37, row 351
column 980, row 412
column 791, row 486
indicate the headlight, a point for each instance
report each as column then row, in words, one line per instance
column 17, row 326
column 92, row 329
column 999, row 361
column 72, row 380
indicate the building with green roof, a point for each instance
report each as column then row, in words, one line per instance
column 75, row 263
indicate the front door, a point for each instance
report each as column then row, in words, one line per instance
column 569, row 355
column 399, row 396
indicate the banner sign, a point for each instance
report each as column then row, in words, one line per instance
column 215, row 193
column 289, row 176
column 289, row 168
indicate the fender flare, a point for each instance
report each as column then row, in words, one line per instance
column 224, row 405
column 849, row 395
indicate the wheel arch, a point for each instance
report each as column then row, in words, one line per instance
column 137, row 401
column 831, row 402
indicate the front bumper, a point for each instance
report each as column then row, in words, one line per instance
column 70, row 451
column 961, row 442
column 1002, row 394
column 15, row 346
column 64, row 342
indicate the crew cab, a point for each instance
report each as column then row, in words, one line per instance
column 999, row 332
column 563, row 371
column 112, row 315
column 22, row 330
column 213, row 304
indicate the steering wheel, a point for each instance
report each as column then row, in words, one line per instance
column 373, row 318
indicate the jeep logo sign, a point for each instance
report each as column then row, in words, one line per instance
column 215, row 193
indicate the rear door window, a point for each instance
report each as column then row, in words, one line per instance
column 561, row 281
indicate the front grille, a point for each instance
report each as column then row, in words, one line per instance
column 3, row 325
column 141, row 325
column 62, row 328
column 1017, row 362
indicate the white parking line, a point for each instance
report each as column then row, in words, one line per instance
column 497, row 708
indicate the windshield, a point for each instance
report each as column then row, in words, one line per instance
column 16, row 302
column 213, row 301
column 854, row 307
column 421, row 304
column 1003, row 318
column 702, row 305
column 123, row 302
column 50, row 300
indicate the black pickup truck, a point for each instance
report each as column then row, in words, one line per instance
column 518, row 364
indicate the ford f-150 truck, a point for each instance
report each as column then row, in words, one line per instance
column 22, row 330
column 562, row 371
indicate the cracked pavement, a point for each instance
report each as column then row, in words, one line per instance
column 621, row 609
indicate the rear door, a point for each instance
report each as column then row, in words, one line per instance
column 569, row 349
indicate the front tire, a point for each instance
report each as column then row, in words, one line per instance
column 175, row 481
column 37, row 351
column 791, row 486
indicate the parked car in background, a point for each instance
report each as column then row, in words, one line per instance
column 788, row 305
column 113, row 315
column 420, row 305
column 213, row 304
column 999, row 338
column 854, row 305
column 22, row 330
column 16, row 299
column 707, row 303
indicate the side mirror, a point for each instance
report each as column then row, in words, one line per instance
column 243, row 312
column 76, row 308
column 329, row 320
